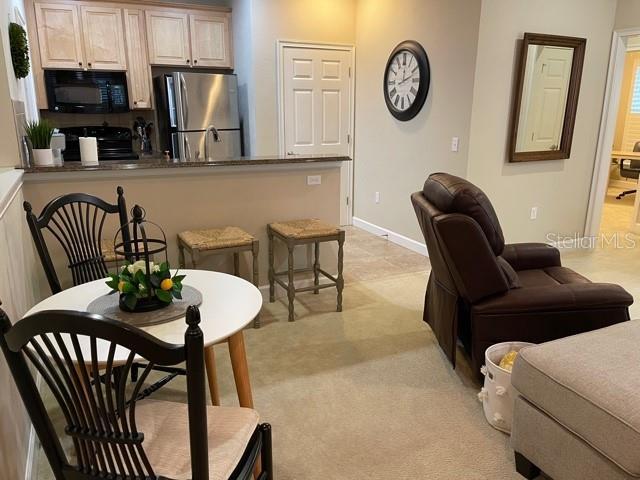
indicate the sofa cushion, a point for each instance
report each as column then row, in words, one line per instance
column 451, row 194
column 509, row 273
column 589, row 383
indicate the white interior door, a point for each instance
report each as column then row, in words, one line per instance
column 316, row 89
column 550, row 85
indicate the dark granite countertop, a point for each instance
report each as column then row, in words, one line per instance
column 153, row 162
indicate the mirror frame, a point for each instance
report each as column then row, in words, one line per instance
column 578, row 44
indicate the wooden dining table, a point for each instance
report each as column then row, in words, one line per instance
column 622, row 154
column 229, row 303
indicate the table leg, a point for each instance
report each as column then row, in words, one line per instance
column 240, row 369
column 212, row 376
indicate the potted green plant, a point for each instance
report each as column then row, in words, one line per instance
column 39, row 134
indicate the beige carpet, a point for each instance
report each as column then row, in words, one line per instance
column 367, row 393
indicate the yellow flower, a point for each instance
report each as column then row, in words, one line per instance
column 166, row 284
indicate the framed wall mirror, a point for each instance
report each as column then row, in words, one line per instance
column 546, row 97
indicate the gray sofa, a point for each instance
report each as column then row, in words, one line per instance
column 577, row 414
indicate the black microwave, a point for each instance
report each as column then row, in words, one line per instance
column 86, row 92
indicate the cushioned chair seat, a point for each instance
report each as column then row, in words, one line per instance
column 166, row 437
column 549, row 276
column 589, row 383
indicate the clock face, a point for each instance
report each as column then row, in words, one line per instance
column 406, row 80
column 403, row 80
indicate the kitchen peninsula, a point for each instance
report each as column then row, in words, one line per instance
column 247, row 192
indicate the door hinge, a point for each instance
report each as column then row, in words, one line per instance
column 347, row 201
column 349, row 138
column 349, row 72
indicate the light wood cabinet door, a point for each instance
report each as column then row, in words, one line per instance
column 103, row 38
column 168, row 37
column 138, row 73
column 210, row 40
column 59, row 35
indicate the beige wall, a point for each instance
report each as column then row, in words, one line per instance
column 560, row 188
column 249, row 200
column 627, row 14
column 18, row 293
column 9, row 154
column 326, row 21
column 393, row 157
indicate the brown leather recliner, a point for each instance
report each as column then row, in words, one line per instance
column 483, row 292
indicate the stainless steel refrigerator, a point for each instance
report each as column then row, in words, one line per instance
column 198, row 115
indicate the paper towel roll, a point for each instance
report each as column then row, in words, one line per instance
column 88, row 151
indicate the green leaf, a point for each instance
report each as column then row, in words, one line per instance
column 164, row 266
column 129, row 288
column 155, row 280
column 178, row 278
column 165, row 274
column 113, row 283
column 141, row 277
column 176, row 294
column 177, row 286
column 163, row 296
column 130, row 300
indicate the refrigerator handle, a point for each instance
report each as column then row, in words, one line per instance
column 185, row 101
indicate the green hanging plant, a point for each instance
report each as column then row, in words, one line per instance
column 19, row 50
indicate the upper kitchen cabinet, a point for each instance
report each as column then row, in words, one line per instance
column 168, row 37
column 138, row 72
column 103, row 38
column 59, row 37
column 210, row 40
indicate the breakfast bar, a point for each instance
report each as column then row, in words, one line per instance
column 246, row 192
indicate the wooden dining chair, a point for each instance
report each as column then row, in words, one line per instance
column 76, row 221
column 110, row 432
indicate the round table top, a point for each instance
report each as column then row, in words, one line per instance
column 229, row 303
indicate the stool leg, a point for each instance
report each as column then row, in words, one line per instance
column 236, row 264
column 291, row 289
column 255, row 247
column 316, row 267
column 272, row 287
column 180, row 255
column 195, row 257
column 340, row 280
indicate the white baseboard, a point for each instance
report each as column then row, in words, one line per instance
column 394, row 237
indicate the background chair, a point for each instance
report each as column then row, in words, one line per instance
column 76, row 221
column 113, row 434
column 483, row 292
column 630, row 168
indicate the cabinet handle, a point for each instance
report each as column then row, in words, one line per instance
column 89, row 64
column 80, row 63
column 188, row 61
column 135, row 103
column 195, row 61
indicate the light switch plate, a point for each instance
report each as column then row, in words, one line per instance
column 455, row 144
column 314, row 179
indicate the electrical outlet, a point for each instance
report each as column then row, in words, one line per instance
column 377, row 197
column 534, row 213
column 455, row 144
column 314, row 179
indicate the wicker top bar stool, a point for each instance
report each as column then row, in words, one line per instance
column 220, row 241
column 301, row 232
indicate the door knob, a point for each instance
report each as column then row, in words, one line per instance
column 290, row 153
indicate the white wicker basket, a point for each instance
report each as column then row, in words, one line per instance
column 497, row 394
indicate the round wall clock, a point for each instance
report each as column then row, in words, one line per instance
column 406, row 80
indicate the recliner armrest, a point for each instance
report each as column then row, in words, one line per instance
column 525, row 256
column 555, row 298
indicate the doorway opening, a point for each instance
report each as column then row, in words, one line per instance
column 614, row 203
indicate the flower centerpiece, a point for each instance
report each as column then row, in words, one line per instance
column 142, row 291
column 143, row 285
